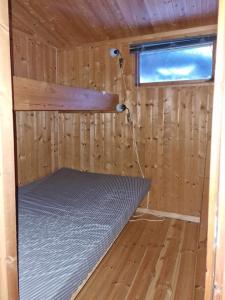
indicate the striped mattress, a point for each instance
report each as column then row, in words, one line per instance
column 66, row 222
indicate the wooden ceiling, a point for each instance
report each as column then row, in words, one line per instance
column 71, row 22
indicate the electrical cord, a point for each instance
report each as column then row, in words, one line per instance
column 129, row 117
column 137, row 218
column 132, row 126
column 148, row 220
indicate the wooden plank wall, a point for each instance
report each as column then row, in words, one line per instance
column 37, row 133
column 8, row 250
column 215, row 276
column 172, row 126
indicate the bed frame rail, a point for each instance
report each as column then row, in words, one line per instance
column 34, row 95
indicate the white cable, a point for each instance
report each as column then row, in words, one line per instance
column 131, row 122
column 148, row 201
column 148, row 220
column 137, row 216
column 136, row 150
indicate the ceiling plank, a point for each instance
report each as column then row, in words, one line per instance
column 75, row 22
column 23, row 17
column 179, row 33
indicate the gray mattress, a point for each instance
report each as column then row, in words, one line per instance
column 66, row 223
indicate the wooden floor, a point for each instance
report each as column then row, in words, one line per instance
column 150, row 260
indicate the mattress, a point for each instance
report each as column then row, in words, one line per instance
column 66, row 222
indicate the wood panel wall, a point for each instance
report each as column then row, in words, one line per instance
column 36, row 132
column 8, row 250
column 215, row 276
column 171, row 126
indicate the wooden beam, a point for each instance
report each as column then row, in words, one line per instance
column 215, row 276
column 39, row 95
column 8, row 253
column 166, row 214
column 159, row 36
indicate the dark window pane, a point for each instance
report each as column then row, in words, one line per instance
column 188, row 63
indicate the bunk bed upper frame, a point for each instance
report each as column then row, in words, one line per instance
column 34, row 95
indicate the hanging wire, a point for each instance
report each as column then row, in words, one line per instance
column 130, row 120
column 148, row 220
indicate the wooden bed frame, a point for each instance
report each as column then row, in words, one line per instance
column 34, row 95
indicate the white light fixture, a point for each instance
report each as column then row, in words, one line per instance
column 114, row 52
column 120, row 107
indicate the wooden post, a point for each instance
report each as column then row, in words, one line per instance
column 215, row 276
column 8, row 256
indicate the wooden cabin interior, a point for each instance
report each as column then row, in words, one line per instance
column 59, row 88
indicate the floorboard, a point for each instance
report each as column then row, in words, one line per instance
column 152, row 259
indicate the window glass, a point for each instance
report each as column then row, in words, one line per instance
column 176, row 64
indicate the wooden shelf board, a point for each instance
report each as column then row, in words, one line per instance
column 34, row 95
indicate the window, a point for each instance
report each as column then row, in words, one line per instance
column 173, row 61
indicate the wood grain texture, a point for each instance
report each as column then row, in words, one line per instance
column 35, row 95
column 75, row 22
column 171, row 127
column 215, row 276
column 36, row 132
column 149, row 260
column 8, row 251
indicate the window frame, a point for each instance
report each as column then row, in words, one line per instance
column 177, row 82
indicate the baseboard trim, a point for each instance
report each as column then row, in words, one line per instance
column 167, row 214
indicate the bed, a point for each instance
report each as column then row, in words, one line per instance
column 66, row 222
